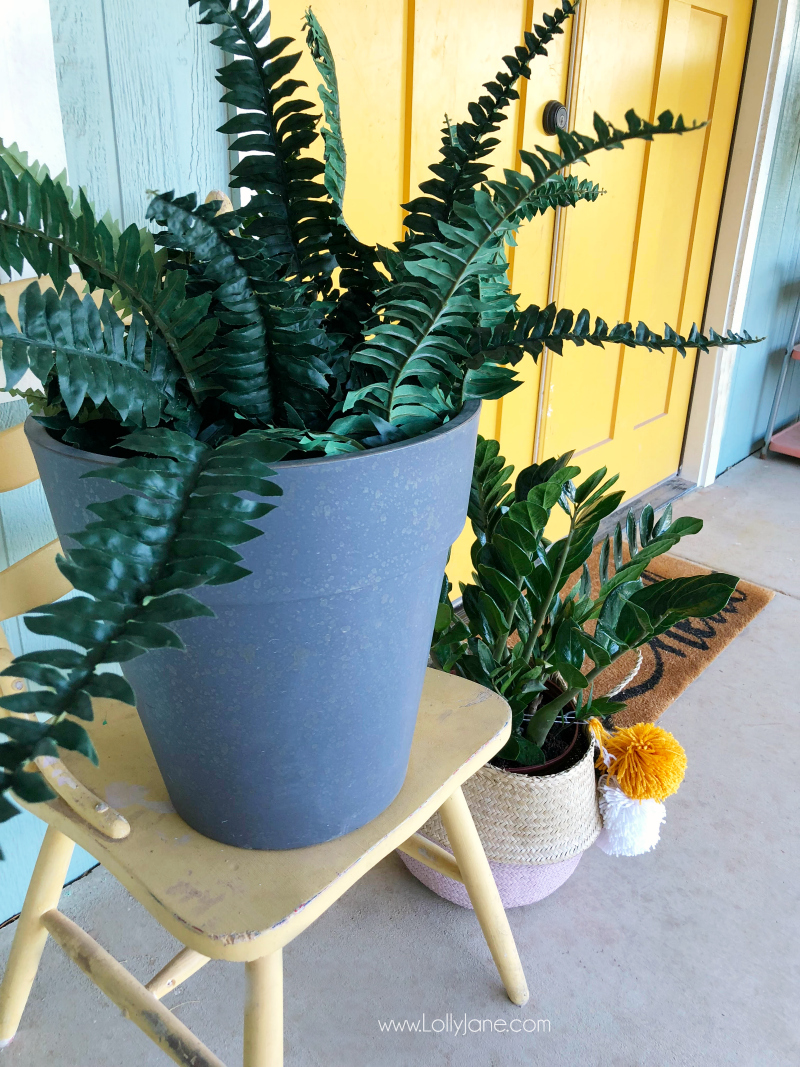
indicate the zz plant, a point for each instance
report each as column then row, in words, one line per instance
column 540, row 591
column 272, row 319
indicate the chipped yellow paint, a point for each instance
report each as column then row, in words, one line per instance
column 245, row 905
column 238, row 904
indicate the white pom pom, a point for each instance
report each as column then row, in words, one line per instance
column 630, row 827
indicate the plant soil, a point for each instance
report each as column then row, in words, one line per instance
column 561, row 738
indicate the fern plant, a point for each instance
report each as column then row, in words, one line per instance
column 225, row 339
column 275, row 315
column 530, row 618
column 133, row 566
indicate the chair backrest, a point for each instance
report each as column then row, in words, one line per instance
column 35, row 579
column 24, row 585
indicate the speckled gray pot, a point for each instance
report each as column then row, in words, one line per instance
column 288, row 719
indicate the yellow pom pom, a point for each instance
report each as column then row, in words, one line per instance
column 647, row 762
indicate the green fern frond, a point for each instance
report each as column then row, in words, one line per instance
column 37, row 402
column 536, row 329
column 90, row 350
column 18, row 162
column 37, row 225
column 291, row 211
column 426, row 326
column 465, row 144
column 335, row 156
column 560, row 191
column 176, row 532
column 237, row 361
column 326, row 442
column 358, row 279
column 299, row 352
column 270, row 353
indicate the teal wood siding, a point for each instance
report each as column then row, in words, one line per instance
column 140, row 109
column 139, row 101
column 772, row 295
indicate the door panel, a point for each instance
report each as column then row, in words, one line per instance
column 451, row 63
column 369, row 47
column 690, row 67
column 644, row 250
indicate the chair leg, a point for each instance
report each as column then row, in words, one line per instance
column 480, row 884
column 263, row 1012
column 43, row 894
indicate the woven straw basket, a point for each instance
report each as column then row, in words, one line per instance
column 534, row 831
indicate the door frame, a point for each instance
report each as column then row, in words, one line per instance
column 761, row 95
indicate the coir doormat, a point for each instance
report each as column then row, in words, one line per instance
column 674, row 659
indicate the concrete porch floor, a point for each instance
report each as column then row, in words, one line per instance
column 685, row 957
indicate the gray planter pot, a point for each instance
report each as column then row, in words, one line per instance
column 288, row 719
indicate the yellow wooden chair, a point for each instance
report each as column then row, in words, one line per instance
column 223, row 902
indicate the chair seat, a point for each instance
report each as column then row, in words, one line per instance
column 238, row 904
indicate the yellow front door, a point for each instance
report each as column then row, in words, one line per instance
column 643, row 250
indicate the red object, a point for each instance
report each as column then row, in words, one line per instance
column 788, row 441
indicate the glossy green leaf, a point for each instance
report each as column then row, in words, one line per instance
column 31, row 787
column 70, row 735
column 516, row 560
column 602, row 707
column 522, row 751
column 571, row 675
column 497, row 584
column 110, row 686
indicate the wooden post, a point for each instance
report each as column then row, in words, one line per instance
column 477, row 875
column 432, row 855
column 263, row 1012
column 179, row 968
column 138, row 1005
column 29, row 940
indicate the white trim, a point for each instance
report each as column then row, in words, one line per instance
column 29, row 105
column 30, row 113
column 751, row 156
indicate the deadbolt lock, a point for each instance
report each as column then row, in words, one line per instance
column 554, row 117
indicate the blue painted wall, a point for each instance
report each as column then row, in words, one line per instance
column 140, row 109
column 773, row 293
column 25, row 525
column 139, row 101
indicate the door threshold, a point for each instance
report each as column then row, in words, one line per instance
column 658, row 496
